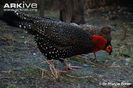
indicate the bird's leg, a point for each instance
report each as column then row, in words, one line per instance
column 52, row 68
column 95, row 58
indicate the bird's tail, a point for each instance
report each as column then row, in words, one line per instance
column 16, row 19
column 21, row 20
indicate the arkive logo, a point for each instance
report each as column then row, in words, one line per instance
column 20, row 6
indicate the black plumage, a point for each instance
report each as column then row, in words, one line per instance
column 55, row 39
column 61, row 40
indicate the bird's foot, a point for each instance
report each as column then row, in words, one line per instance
column 68, row 68
column 71, row 68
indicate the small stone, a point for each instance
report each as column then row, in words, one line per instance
column 34, row 54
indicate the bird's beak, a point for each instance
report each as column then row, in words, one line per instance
column 109, row 49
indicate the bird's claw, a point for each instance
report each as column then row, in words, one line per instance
column 76, row 67
column 71, row 68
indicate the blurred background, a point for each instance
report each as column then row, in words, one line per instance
column 21, row 63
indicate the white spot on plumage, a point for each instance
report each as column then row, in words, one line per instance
column 57, row 51
column 34, row 54
column 54, row 49
column 24, row 17
column 24, row 26
column 20, row 26
column 17, row 13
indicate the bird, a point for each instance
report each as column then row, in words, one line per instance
column 58, row 40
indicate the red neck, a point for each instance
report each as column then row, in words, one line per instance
column 99, row 42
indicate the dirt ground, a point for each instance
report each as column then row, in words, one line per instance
column 22, row 65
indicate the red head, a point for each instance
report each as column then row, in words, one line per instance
column 100, row 43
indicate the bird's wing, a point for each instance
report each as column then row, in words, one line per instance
column 61, row 33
